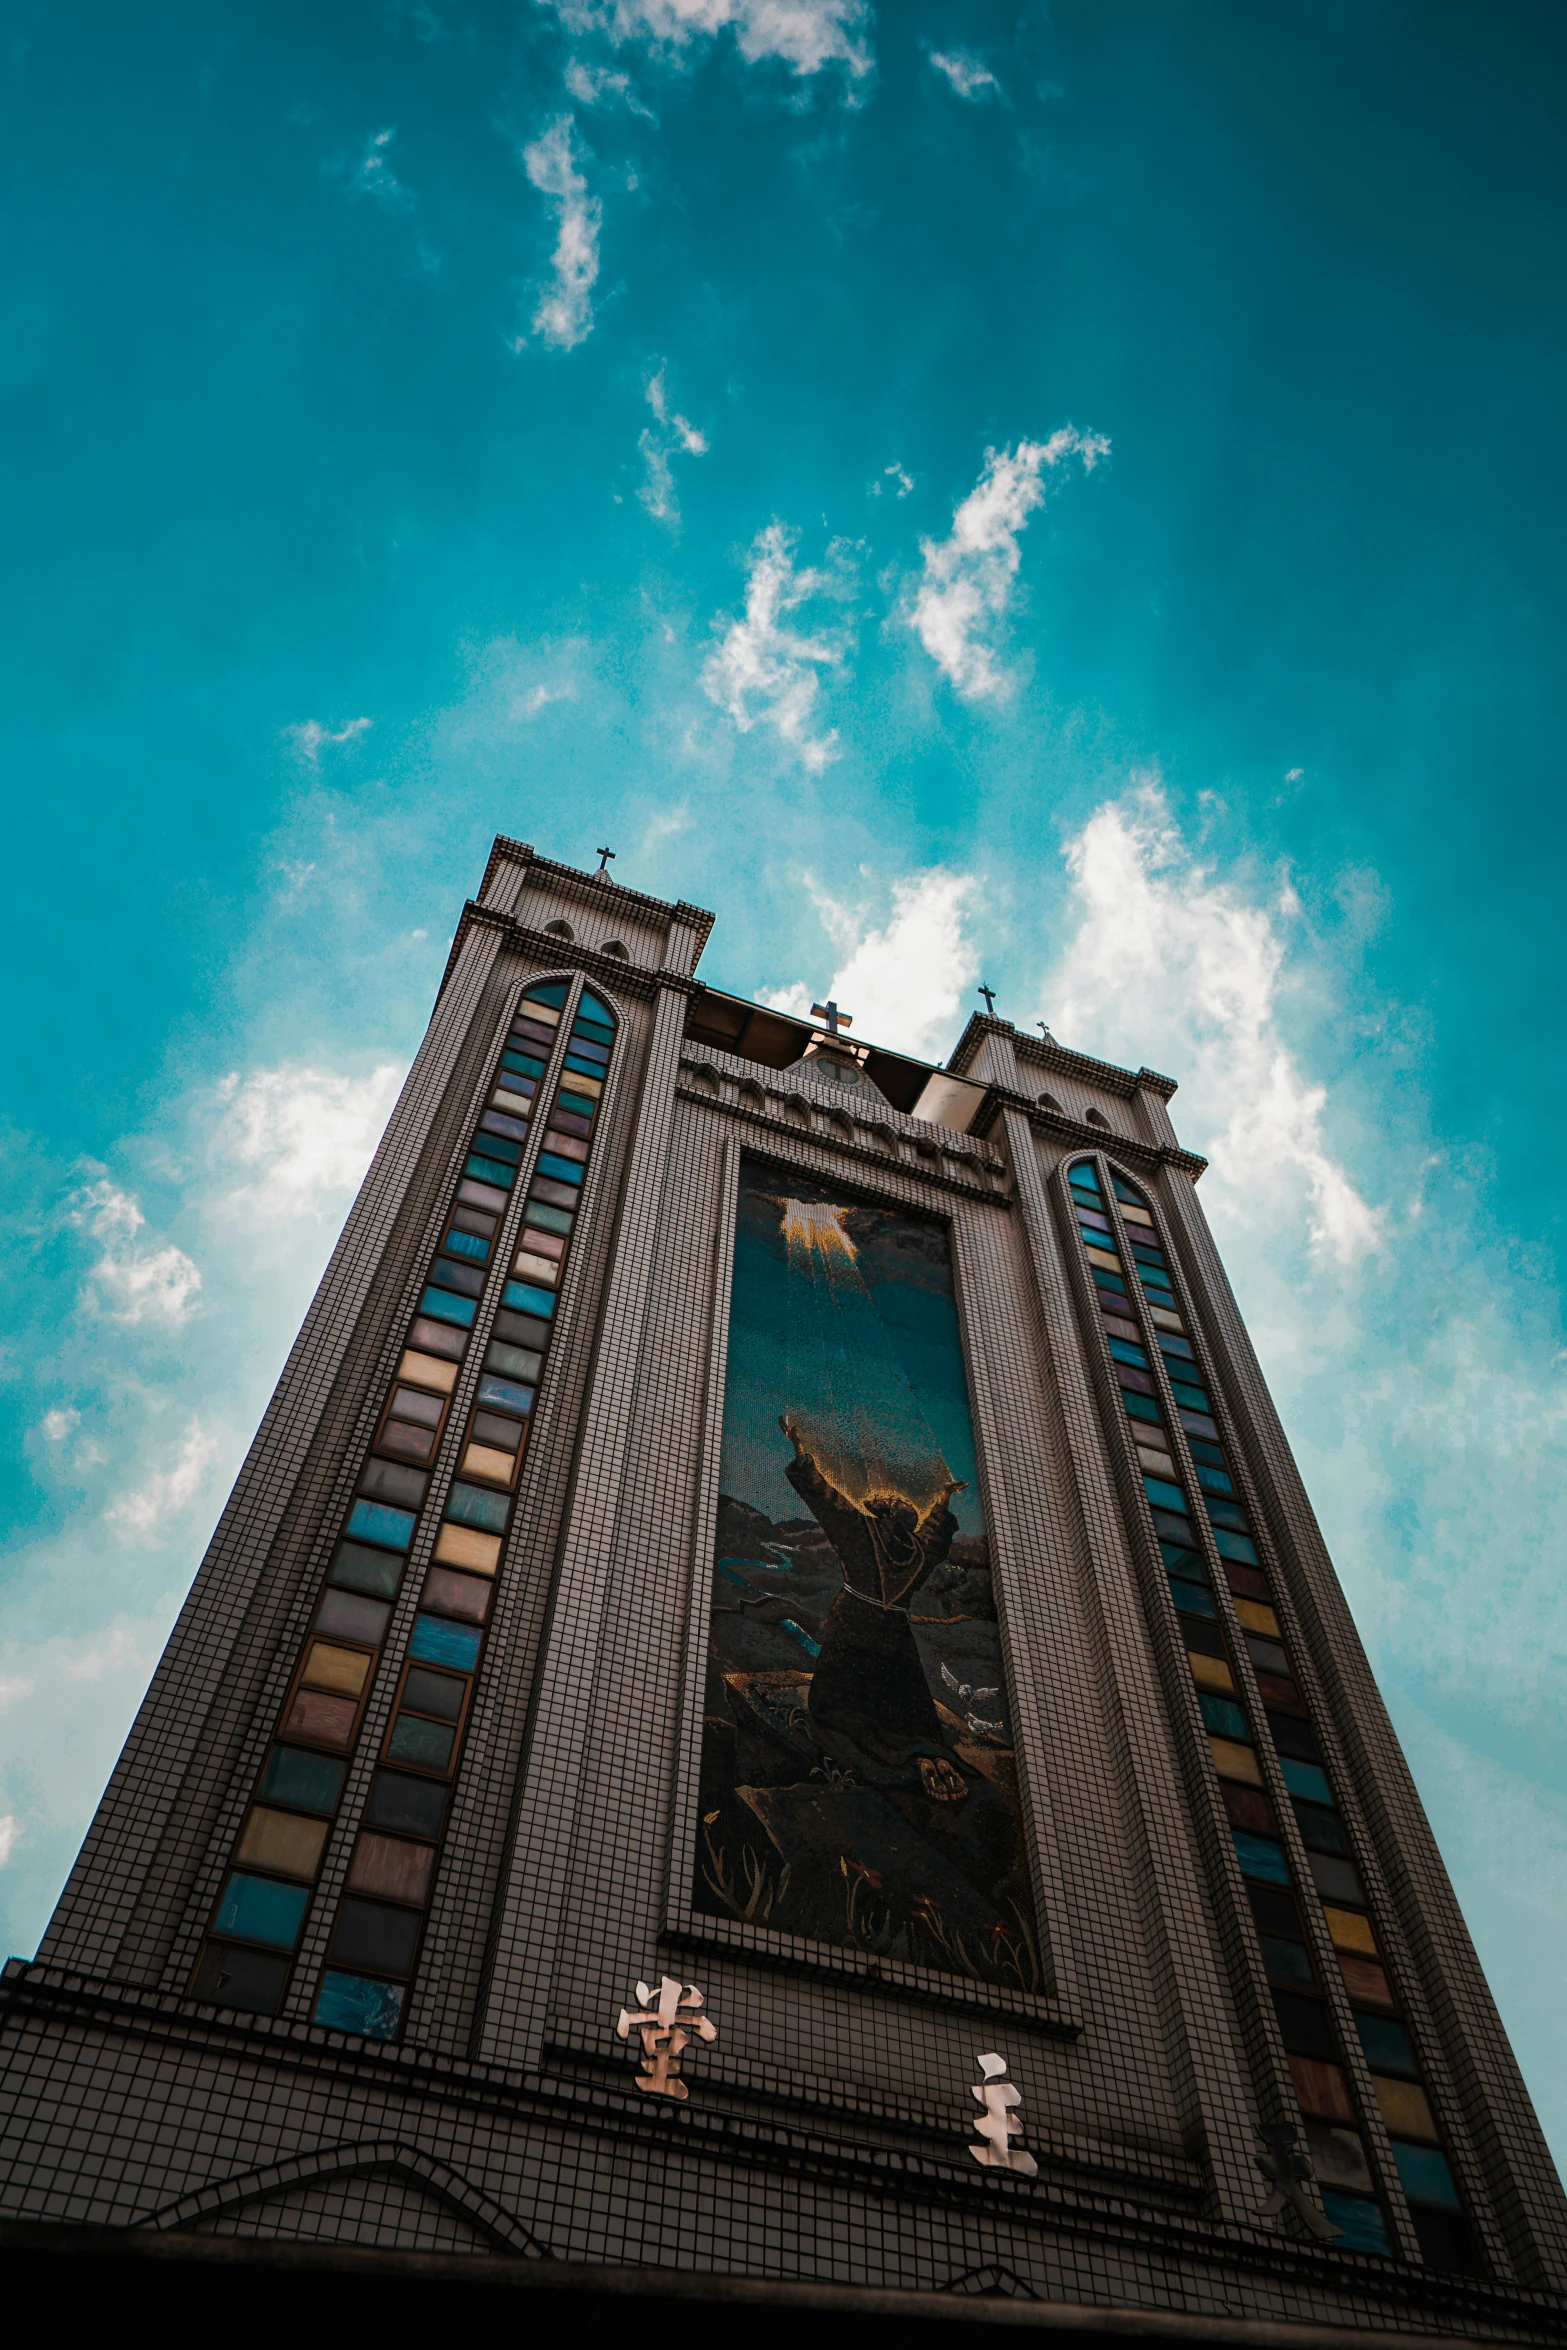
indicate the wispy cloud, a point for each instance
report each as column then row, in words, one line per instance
column 564, row 316
column 133, row 1283
column 763, row 672
column 967, row 74
column 311, row 738
column 123, row 1652
column 807, row 36
column 904, row 983
column 10, row 1830
column 142, row 1514
column 374, row 177
column 670, row 435
column 301, row 1138
column 968, row 576
column 597, row 86
column 894, row 475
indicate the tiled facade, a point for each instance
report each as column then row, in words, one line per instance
column 491, row 1891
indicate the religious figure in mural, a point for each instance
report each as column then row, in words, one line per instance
column 857, row 1779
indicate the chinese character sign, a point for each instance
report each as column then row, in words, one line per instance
column 999, row 2122
column 665, row 2024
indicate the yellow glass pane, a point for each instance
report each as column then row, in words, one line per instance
column 1135, row 1215
column 1102, row 1256
column 1165, row 1320
column 428, row 1371
column 1404, row 2108
column 1258, row 1618
column 532, row 1268
column 1234, row 1762
column 1210, row 1672
column 546, row 1013
column 460, row 1546
column 1158, row 1464
column 277, row 1840
column 342, row 1669
column 514, row 1105
column 572, row 1082
column 487, row 1461
column 1348, row 1930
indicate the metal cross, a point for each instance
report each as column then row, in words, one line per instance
column 603, row 856
column 833, row 1017
column 989, row 995
column 1044, row 1032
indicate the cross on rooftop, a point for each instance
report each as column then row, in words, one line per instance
column 603, row 856
column 989, row 995
column 833, row 1017
column 1044, row 1032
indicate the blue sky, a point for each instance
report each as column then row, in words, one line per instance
column 1065, row 497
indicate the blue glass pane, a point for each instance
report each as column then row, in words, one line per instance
column 1175, row 1346
column 256, row 1910
column 1425, row 2175
column 1236, row 1546
column 311, row 1782
column 1124, row 1352
column 527, row 1300
column 1386, row 2044
column 467, row 1244
column 549, row 991
column 1260, row 1857
column 590, row 1008
column 373, row 1521
column 1192, row 1599
column 1304, row 1778
column 561, row 1170
column 470, row 1507
column 444, row 1305
column 1358, row 2221
column 1213, row 1480
column 440, row 1643
column 583, row 1066
column 496, row 1122
column 491, row 1171
column 1224, row 1717
column 507, row 1394
column 353, row 2003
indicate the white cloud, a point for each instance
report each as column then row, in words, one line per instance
column 311, row 738
column 13, row 1689
column 375, row 177
column 762, row 671
column 133, row 1283
column 1183, row 962
column 564, row 316
column 675, row 436
column 142, row 1514
column 10, row 1830
column 122, row 1651
column 968, row 576
column 904, row 984
column 595, row 85
column 969, row 75
column 301, row 1137
column 902, row 482
column 805, row 35
column 58, row 1424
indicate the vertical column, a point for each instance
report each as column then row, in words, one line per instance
column 531, row 1906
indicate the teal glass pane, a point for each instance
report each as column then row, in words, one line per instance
column 310, row 1782
column 444, row 1305
column 590, row 1008
column 495, row 1146
column 1224, row 1717
column 256, row 1910
column 520, row 1361
column 1304, row 1778
column 546, row 1218
column 550, row 991
column 1183, row 1562
column 525, row 1064
column 528, row 1300
column 560, row 1170
column 353, row 2003
column 1424, row 2175
column 356, row 1569
column 1123, row 1351
column 1154, row 1276
column 1236, row 1546
column 507, row 1395
column 1191, row 1398
column 470, row 1507
column 491, row 1171
column 373, row 1521
column 1085, row 1173
column 1164, row 1497
column 1260, row 1857
column 592, row 1032
column 428, row 1745
column 1287, row 1962
column 438, row 1643
column 1358, row 2221
column 1192, row 1599
column 1213, row 1480
column 1107, row 1280
column 1225, row 1513
column 1140, row 1407
column 1386, row 2044
column 1125, row 1193
column 467, row 1244
column 583, row 1066
column 1321, row 1831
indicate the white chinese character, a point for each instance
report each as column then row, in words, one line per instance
column 999, row 2122
column 663, row 2025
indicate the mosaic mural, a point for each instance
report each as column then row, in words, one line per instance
column 858, row 1780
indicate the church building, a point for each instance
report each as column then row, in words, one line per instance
column 768, row 1728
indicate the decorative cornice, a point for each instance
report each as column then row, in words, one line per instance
column 1078, row 1133
column 1045, row 1053
column 596, row 887
column 621, row 978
